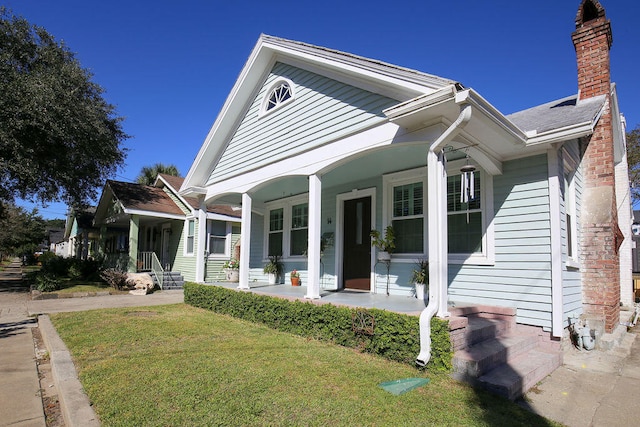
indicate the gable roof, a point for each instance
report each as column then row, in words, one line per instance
column 137, row 197
column 375, row 76
column 422, row 98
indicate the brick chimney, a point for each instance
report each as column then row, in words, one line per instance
column 600, row 234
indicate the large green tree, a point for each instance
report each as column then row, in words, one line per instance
column 20, row 231
column 148, row 174
column 633, row 158
column 59, row 138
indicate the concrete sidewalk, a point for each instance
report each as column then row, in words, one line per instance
column 20, row 395
column 592, row 388
column 19, row 382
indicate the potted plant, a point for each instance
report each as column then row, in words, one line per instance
column 273, row 269
column 231, row 269
column 295, row 278
column 385, row 242
column 420, row 277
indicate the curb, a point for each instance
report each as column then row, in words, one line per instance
column 74, row 403
column 37, row 295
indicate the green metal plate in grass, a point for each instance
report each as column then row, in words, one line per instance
column 399, row 387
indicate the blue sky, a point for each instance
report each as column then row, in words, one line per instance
column 168, row 66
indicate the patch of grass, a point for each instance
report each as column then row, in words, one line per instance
column 71, row 286
column 181, row 366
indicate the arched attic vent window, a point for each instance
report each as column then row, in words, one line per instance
column 280, row 93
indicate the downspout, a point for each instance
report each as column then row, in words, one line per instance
column 438, row 261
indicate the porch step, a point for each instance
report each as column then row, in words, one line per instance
column 506, row 359
column 514, row 379
column 480, row 330
column 170, row 280
column 485, row 356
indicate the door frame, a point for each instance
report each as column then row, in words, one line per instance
column 165, row 245
column 340, row 199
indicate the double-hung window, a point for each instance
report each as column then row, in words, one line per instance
column 470, row 229
column 217, row 233
column 190, row 236
column 408, row 217
column 299, row 229
column 276, row 232
column 465, row 218
column 405, row 201
column 287, row 228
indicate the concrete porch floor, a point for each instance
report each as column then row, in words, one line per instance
column 349, row 298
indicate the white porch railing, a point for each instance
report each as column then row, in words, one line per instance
column 148, row 261
column 157, row 269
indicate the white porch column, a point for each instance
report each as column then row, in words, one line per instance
column 437, row 215
column 201, row 241
column 245, row 242
column 313, row 249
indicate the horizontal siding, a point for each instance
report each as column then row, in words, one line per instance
column 213, row 270
column 323, row 110
column 521, row 276
column 186, row 265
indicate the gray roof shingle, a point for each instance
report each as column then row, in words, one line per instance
column 558, row 114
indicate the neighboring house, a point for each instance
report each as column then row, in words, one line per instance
column 57, row 242
column 317, row 145
column 139, row 224
column 80, row 234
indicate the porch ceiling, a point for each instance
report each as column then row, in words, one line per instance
column 374, row 164
column 123, row 221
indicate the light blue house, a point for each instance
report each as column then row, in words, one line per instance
column 318, row 147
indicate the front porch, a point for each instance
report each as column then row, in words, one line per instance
column 350, row 298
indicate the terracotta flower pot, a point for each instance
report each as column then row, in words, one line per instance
column 295, row 281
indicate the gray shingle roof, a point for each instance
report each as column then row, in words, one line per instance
column 558, row 114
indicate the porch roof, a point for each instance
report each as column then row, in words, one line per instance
column 144, row 198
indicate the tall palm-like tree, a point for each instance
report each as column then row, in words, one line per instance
column 148, row 174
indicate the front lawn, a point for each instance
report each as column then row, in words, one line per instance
column 73, row 286
column 179, row 365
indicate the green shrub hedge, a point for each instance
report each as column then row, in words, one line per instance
column 395, row 336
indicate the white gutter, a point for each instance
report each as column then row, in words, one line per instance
column 437, row 213
column 574, row 131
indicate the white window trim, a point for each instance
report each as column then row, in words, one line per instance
column 186, row 236
column 488, row 254
column 570, row 166
column 286, row 205
column 265, row 100
column 391, row 180
column 227, row 243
